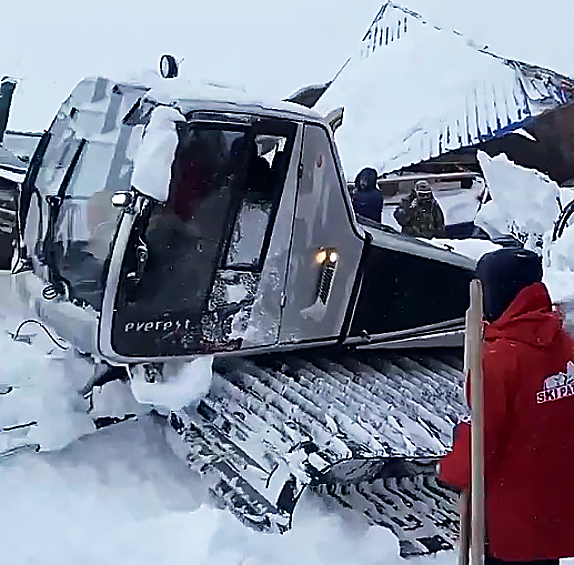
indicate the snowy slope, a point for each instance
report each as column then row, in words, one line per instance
column 121, row 497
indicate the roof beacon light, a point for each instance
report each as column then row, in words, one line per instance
column 168, row 66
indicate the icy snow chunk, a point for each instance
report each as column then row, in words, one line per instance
column 526, row 198
column 185, row 384
column 560, row 286
column 562, row 251
column 492, row 220
column 152, row 166
column 115, row 400
column 44, row 395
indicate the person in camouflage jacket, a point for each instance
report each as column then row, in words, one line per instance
column 419, row 213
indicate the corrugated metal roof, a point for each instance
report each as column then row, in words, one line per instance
column 490, row 110
column 390, row 125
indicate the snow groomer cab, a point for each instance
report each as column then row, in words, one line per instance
column 161, row 226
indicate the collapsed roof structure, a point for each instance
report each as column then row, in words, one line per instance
column 421, row 98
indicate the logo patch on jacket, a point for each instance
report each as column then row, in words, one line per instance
column 557, row 386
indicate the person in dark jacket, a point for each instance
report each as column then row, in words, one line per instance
column 528, row 417
column 367, row 198
column 419, row 213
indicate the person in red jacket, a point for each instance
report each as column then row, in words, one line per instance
column 528, row 417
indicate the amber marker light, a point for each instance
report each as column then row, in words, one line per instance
column 321, row 256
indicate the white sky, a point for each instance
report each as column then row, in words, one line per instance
column 270, row 47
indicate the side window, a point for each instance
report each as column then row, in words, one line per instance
column 59, row 154
column 264, row 179
column 87, row 220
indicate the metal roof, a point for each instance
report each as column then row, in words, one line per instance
column 490, row 111
column 485, row 96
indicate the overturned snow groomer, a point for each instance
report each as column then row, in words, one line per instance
column 159, row 228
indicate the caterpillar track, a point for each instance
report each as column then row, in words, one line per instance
column 407, row 500
column 364, row 430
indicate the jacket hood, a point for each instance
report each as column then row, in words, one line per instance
column 528, row 319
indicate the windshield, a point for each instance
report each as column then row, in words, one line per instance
column 225, row 185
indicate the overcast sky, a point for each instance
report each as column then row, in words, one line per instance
column 269, row 47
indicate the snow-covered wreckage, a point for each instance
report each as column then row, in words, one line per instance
column 421, row 100
column 199, row 249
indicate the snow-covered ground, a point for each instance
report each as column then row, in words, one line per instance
column 121, row 496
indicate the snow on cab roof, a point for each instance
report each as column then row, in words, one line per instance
column 414, row 91
column 189, row 95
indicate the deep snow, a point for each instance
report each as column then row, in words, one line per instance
column 120, row 495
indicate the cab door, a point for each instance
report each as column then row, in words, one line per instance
column 325, row 248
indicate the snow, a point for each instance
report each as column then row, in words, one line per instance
column 527, row 199
column 559, row 275
column 45, row 385
column 121, row 495
column 185, row 384
column 414, row 84
column 473, row 248
column 526, row 204
column 183, row 88
column 155, row 154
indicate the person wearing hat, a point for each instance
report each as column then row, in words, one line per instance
column 367, row 198
column 420, row 214
column 528, row 417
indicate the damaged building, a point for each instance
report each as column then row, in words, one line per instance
column 420, row 101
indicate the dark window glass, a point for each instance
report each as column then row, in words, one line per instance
column 226, row 183
column 254, row 215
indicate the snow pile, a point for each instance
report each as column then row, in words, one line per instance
column 180, row 88
column 560, row 273
column 525, row 201
column 526, row 204
column 185, row 384
column 41, row 399
column 121, row 497
column 155, row 154
column 40, row 403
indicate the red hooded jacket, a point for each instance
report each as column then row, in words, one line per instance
column 528, row 433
